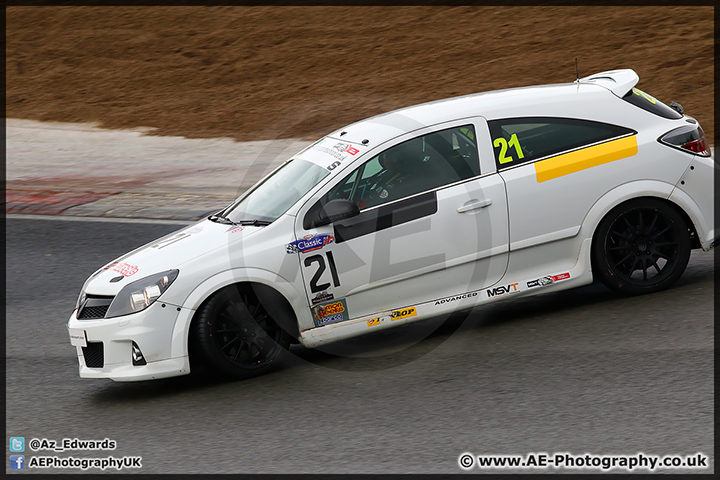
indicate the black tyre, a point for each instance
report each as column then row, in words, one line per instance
column 235, row 336
column 641, row 246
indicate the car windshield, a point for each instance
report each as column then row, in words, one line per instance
column 274, row 196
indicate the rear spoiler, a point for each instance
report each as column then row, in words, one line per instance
column 618, row 82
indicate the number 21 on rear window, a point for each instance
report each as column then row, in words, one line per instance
column 504, row 145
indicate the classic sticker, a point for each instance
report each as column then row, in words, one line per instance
column 374, row 321
column 309, row 243
column 328, row 313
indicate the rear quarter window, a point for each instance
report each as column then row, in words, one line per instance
column 651, row 104
column 521, row 140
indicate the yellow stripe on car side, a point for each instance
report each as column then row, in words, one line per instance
column 586, row 158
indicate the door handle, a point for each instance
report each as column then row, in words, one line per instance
column 474, row 206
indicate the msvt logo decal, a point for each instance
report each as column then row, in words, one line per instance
column 502, row 290
column 309, row 243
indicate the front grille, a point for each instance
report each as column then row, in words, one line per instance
column 93, row 312
column 95, row 306
column 93, row 354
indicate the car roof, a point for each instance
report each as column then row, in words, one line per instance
column 542, row 100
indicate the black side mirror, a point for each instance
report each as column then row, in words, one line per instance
column 336, row 210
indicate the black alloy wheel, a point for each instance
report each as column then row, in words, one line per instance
column 236, row 336
column 641, row 246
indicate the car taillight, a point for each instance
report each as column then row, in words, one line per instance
column 689, row 138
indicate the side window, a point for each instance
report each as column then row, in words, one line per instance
column 520, row 140
column 417, row 165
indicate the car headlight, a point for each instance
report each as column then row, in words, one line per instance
column 80, row 299
column 140, row 294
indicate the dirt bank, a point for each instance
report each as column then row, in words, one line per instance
column 254, row 73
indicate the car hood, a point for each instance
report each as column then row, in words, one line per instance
column 166, row 253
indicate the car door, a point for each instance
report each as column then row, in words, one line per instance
column 434, row 228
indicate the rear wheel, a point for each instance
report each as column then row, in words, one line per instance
column 235, row 335
column 641, row 246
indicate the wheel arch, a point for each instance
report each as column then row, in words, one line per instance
column 278, row 296
column 632, row 191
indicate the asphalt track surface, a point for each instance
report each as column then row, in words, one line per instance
column 581, row 371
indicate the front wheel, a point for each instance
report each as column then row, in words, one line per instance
column 235, row 335
column 641, row 246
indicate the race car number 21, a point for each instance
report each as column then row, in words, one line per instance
column 314, row 287
column 504, row 145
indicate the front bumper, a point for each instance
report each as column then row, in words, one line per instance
column 109, row 345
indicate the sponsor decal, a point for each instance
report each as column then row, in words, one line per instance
column 328, row 313
column 339, row 151
column 194, row 230
column 235, row 229
column 373, row 321
column 548, row 280
column 456, row 298
column 562, row 276
column 540, row 282
column 322, row 297
column 309, row 243
column 384, row 193
column 123, row 269
column 333, row 153
column 403, row 313
column 346, row 148
column 502, row 290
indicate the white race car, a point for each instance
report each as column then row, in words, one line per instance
column 409, row 215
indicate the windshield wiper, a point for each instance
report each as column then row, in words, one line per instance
column 255, row 223
column 220, row 219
